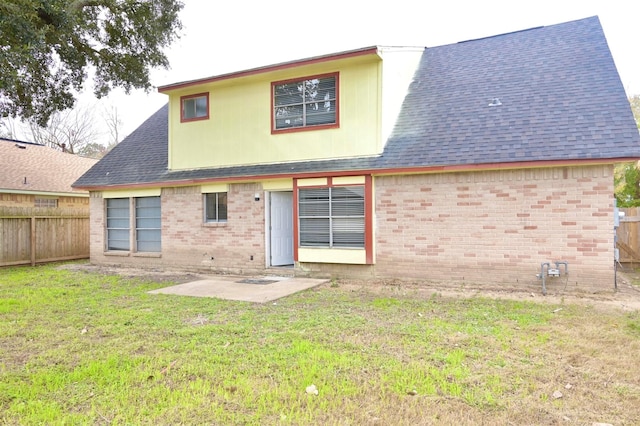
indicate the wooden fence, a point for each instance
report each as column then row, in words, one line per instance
column 37, row 235
column 628, row 235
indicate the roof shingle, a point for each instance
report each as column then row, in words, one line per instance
column 37, row 168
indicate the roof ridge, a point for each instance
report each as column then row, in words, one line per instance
column 500, row 35
column 10, row 140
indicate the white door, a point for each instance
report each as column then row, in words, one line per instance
column 281, row 228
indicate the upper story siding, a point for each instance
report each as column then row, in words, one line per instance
column 239, row 128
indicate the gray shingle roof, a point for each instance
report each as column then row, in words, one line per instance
column 560, row 94
column 560, row 98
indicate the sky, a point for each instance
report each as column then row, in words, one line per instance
column 226, row 36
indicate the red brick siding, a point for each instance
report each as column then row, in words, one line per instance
column 496, row 226
column 189, row 243
column 490, row 226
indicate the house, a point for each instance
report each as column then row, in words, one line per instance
column 34, row 175
column 477, row 161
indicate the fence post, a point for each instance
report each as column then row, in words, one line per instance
column 33, row 241
column 633, row 229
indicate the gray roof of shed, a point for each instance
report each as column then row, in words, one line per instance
column 560, row 96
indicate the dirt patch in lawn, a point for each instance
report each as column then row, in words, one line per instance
column 626, row 296
column 156, row 275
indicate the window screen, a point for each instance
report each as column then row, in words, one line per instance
column 148, row 226
column 305, row 103
column 215, row 207
column 118, row 224
column 331, row 217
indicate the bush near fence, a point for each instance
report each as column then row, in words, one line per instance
column 38, row 235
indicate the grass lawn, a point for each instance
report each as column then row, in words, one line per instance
column 86, row 348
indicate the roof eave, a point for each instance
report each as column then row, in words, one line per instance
column 372, row 171
column 371, row 50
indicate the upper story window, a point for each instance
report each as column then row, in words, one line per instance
column 305, row 103
column 194, row 107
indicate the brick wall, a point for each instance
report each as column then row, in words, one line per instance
column 226, row 246
column 235, row 246
column 96, row 228
column 497, row 226
column 481, row 227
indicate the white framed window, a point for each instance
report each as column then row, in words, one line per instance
column 148, row 224
column 215, row 207
column 332, row 217
column 305, row 103
column 194, row 107
column 46, row 202
column 118, row 218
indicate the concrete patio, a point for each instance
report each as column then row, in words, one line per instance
column 248, row 289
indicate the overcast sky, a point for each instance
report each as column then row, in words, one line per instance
column 226, row 36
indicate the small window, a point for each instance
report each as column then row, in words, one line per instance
column 215, row 207
column 306, row 103
column 195, row 107
column 118, row 224
column 46, row 202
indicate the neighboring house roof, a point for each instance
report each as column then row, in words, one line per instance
column 28, row 167
column 555, row 96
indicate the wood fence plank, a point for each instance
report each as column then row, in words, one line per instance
column 33, row 235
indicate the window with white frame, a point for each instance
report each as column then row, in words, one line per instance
column 148, row 224
column 118, row 218
column 194, row 107
column 215, row 207
column 305, row 103
column 332, row 217
column 46, row 202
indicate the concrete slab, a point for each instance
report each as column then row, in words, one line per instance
column 248, row 289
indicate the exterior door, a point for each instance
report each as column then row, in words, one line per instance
column 281, row 228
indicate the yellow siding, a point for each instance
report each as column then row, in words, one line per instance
column 126, row 193
column 239, row 128
column 319, row 255
column 277, row 184
column 348, row 180
column 214, row 187
column 312, row 182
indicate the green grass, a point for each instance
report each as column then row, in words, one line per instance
column 85, row 348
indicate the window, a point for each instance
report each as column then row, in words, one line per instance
column 148, row 224
column 305, row 103
column 194, row 107
column 46, row 202
column 215, row 207
column 118, row 224
column 332, row 217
